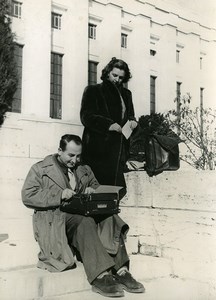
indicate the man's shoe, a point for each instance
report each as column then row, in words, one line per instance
column 129, row 284
column 107, row 286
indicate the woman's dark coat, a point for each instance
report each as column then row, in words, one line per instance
column 105, row 151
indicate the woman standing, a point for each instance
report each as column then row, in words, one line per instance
column 105, row 109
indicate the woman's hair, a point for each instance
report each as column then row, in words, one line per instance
column 116, row 63
column 65, row 139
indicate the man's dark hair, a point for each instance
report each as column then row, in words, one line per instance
column 116, row 63
column 65, row 139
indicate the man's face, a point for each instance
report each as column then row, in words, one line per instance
column 116, row 76
column 70, row 157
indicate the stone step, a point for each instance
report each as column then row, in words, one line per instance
column 172, row 190
column 16, row 253
column 33, row 283
column 165, row 288
column 159, row 233
column 88, row 294
column 19, row 248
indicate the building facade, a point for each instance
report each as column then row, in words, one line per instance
column 63, row 46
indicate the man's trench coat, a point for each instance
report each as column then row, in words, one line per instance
column 42, row 191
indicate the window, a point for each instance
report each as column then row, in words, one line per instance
column 124, row 40
column 16, row 9
column 177, row 56
column 16, row 104
column 56, row 86
column 201, row 98
column 56, row 21
column 201, row 110
column 152, row 94
column 178, row 103
column 201, row 63
column 178, row 96
column 92, row 72
column 152, row 52
column 92, row 31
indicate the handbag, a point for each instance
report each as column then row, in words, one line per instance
column 161, row 154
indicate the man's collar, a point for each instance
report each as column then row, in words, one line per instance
column 63, row 167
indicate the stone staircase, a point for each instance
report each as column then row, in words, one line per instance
column 172, row 237
column 25, row 283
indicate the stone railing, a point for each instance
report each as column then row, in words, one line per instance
column 182, row 189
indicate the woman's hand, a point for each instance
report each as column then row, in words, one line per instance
column 115, row 127
column 133, row 124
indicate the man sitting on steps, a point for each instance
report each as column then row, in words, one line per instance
column 99, row 240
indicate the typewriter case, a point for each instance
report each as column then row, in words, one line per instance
column 105, row 200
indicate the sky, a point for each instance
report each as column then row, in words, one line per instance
column 201, row 11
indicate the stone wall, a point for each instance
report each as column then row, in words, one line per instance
column 172, row 219
column 182, row 189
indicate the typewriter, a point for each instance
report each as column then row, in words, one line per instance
column 105, row 201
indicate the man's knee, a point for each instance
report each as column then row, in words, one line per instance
column 87, row 224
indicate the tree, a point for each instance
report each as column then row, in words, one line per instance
column 8, row 74
column 197, row 128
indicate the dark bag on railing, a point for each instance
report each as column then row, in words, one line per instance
column 161, row 154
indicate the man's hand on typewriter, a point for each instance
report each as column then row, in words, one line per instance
column 89, row 190
column 67, row 194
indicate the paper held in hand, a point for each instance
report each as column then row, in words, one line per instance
column 126, row 130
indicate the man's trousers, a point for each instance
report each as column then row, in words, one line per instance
column 82, row 234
